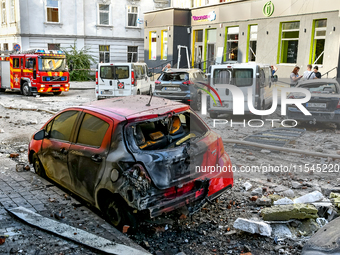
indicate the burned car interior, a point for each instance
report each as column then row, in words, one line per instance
column 167, row 132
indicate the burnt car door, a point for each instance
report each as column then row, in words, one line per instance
column 54, row 149
column 88, row 154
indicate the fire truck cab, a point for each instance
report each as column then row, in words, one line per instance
column 34, row 71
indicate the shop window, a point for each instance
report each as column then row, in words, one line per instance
column 12, row 10
column 53, row 46
column 52, row 10
column 5, row 46
column 289, row 42
column 152, row 46
column 104, row 53
column 252, row 42
column 104, row 14
column 319, row 38
column 132, row 15
column 232, row 43
column 132, row 55
column 164, row 52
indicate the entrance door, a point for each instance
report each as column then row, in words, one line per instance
column 210, row 54
column 198, row 55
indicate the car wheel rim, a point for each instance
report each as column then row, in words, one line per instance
column 37, row 167
column 113, row 214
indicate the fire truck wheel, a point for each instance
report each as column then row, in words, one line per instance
column 26, row 89
column 57, row 93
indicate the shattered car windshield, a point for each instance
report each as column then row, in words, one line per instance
column 52, row 64
column 168, row 132
column 322, row 88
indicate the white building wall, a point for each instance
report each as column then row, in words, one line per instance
column 78, row 23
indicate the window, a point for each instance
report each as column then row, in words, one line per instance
column 252, row 42
column 3, row 12
column 53, row 46
column 104, row 53
column 92, row 131
column 16, row 63
column 62, row 125
column 238, row 77
column 12, row 10
column 132, row 55
column 132, row 16
column 152, row 46
column 319, row 38
column 104, row 14
column 139, row 71
column 289, row 42
column 5, row 46
column 164, row 51
column 52, row 11
column 232, row 43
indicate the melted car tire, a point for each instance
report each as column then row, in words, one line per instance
column 119, row 214
column 38, row 167
column 198, row 103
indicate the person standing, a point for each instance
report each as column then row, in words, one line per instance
column 167, row 67
column 316, row 72
column 274, row 69
column 309, row 74
column 294, row 76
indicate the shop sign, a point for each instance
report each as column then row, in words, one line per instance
column 268, row 9
column 211, row 16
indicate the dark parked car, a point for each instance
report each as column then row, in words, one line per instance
column 181, row 85
column 324, row 104
column 128, row 157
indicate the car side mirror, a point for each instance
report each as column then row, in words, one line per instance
column 149, row 74
column 274, row 78
column 40, row 135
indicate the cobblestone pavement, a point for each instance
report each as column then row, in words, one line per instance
column 39, row 195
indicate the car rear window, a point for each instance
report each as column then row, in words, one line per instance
column 233, row 76
column 175, row 77
column 321, row 88
column 114, row 72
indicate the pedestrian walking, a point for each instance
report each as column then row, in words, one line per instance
column 309, row 74
column 294, row 76
column 316, row 72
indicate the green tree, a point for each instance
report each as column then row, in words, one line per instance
column 79, row 61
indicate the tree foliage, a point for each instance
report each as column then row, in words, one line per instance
column 79, row 61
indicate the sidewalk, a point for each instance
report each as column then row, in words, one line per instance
column 39, row 195
column 82, row 85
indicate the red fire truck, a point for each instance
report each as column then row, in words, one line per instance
column 34, row 71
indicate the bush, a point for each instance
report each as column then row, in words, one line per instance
column 80, row 63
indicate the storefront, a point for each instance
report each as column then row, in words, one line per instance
column 281, row 33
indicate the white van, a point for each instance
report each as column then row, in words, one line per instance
column 242, row 75
column 123, row 79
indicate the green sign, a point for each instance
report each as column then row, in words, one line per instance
column 268, row 9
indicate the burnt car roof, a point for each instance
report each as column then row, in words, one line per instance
column 317, row 81
column 135, row 106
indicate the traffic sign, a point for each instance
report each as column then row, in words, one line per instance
column 16, row 47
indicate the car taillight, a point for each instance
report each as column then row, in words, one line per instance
column 187, row 82
column 157, row 82
column 97, row 77
column 338, row 106
column 133, row 78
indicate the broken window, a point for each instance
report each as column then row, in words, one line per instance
column 168, row 132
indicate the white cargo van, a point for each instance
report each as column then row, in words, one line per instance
column 123, row 79
column 242, row 75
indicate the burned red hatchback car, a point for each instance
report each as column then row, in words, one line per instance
column 133, row 156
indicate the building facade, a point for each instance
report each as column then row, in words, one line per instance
column 110, row 30
column 281, row 33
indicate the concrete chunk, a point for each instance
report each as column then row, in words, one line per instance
column 286, row 212
column 253, row 227
column 283, row 201
column 312, row 197
column 336, row 198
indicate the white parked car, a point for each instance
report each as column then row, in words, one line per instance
column 123, row 79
